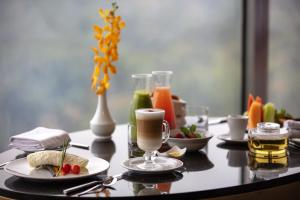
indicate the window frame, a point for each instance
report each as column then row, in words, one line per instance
column 254, row 60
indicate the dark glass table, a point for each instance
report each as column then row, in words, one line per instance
column 217, row 170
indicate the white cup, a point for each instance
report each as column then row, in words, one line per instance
column 237, row 126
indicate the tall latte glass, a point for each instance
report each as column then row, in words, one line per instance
column 150, row 135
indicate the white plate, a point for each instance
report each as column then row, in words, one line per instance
column 21, row 168
column 226, row 137
column 167, row 165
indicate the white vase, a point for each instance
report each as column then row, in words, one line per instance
column 102, row 124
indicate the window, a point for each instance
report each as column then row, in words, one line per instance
column 284, row 60
column 46, row 61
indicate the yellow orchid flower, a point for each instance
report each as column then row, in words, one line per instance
column 106, row 52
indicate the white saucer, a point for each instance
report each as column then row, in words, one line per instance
column 226, row 138
column 167, row 165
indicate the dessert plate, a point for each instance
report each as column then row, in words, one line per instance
column 166, row 165
column 226, row 138
column 21, row 168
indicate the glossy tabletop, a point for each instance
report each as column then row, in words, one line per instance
column 217, row 170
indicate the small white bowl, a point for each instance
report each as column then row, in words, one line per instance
column 191, row 144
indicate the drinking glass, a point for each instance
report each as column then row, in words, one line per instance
column 133, row 149
column 198, row 115
column 140, row 99
column 162, row 95
column 150, row 135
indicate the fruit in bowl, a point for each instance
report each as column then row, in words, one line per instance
column 190, row 138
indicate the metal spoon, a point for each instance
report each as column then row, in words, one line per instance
column 77, row 188
column 110, row 180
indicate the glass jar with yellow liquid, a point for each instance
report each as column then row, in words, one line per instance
column 267, row 141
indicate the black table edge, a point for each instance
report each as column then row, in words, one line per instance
column 220, row 192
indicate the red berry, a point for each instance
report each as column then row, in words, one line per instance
column 66, row 168
column 178, row 135
column 75, row 169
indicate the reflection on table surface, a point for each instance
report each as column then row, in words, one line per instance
column 213, row 168
column 152, row 184
column 265, row 169
column 196, row 161
column 103, row 149
column 236, row 154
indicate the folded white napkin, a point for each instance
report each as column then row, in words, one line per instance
column 292, row 124
column 294, row 133
column 294, row 128
column 39, row 139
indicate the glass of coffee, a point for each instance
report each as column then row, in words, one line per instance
column 150, row 135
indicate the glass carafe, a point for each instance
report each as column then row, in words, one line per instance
column 162, row 96
column 141, row 99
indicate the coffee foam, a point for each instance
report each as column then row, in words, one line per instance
column 149, row 113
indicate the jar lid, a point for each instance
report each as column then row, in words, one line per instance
column 268, row 127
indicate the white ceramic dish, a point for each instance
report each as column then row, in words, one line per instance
column 167, row 165
column 191, row 144
column 21, row 168
column 226, row 138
